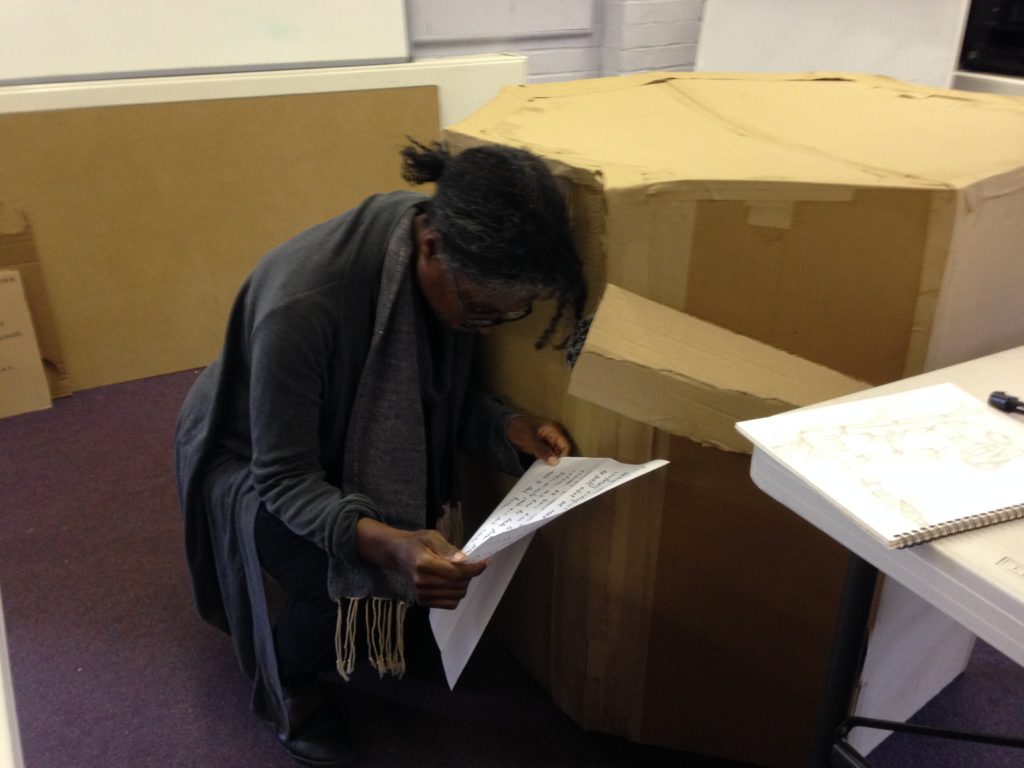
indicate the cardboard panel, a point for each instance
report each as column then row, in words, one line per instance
column 148, row 217
column 18, row 251
column 616, row 568
column 760, row 134
column 743, row 614
column 687, row 377
column 983, row 282
column 839, row 285
column 22, row 381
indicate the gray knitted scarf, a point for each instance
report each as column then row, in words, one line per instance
column 385, row 459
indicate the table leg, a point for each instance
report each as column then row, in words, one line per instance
column 847, row 655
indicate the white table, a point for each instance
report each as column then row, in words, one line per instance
column 977, row 578
column 10, row 744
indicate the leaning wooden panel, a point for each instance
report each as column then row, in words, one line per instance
column 147, row 217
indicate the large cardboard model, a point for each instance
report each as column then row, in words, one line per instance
column 860, row 222
column 867, row 226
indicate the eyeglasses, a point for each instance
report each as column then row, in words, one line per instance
column 485, row 321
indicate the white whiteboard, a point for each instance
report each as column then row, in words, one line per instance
column 913, row 40
column 67, row 40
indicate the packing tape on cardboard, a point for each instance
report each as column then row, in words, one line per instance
column 777, row 215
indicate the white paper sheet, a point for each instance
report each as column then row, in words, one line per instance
column 541, row 495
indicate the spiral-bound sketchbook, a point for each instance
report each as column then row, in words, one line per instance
column 908, row 467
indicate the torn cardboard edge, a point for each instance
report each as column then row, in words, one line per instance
column 779, row 152
column 18, row 252
column 689, row 377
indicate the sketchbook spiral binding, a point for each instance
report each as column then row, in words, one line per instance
column 960, row 525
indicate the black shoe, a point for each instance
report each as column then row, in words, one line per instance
column 320, row 738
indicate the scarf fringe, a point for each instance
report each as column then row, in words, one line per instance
column 385, row 635
column 345, row 638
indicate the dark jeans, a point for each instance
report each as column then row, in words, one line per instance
column 305, row 626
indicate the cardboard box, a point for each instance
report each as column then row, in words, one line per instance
column 22, row 381
column 18, row 252
column 858, row 225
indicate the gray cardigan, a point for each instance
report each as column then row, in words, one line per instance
column 266, row 423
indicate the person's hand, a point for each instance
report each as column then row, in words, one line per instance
column 541, row 438
column 438, row 571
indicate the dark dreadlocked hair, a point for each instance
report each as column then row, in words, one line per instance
column 503, row 223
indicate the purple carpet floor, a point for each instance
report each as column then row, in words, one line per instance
column 111, row 666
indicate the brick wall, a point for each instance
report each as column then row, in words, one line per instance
column 562, row 39
column 650, row 34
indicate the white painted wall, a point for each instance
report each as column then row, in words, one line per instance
column 916, row 40
column 562, row 39
column 66, row 40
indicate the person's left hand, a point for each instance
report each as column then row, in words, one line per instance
column 541, row 438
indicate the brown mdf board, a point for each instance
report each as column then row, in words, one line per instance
column 147, row 218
